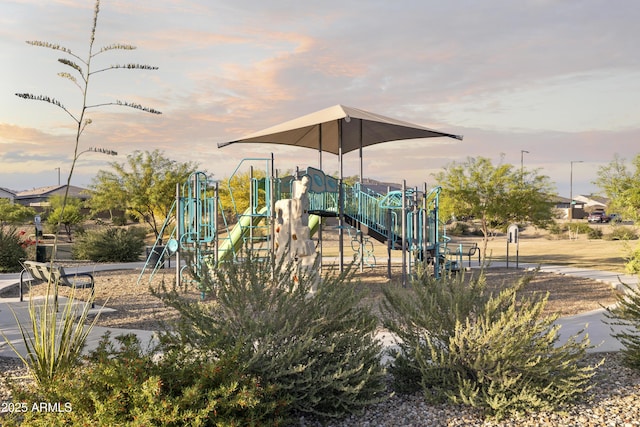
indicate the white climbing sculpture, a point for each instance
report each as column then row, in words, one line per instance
column 292, row 233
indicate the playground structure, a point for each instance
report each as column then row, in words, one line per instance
column 285, row 212
column 404, row 219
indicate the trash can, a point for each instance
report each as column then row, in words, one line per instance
column 41, row 254
column 154, row 256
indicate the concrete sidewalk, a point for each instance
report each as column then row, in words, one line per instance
column 12, row 308
column 593, row 323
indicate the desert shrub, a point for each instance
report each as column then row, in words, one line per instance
column 458, row 229
column 494, row 351
column 579, row 227
column 557, row 228
column 632, row 265
column 316, row 348
column 126, row 384
column 594, row 233
column 626, row 313
column 11, row 250
column 120, row 220
column 111, row 244
column 621, row 232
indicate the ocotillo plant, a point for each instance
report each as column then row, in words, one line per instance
column 80, row 74
column 55, row 344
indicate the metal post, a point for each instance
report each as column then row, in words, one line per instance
column 215, row 224
column 341, row 225
column 178, row 233
column 340, row 202
column 389, row 241
column 404, row 233
column 272, row 206
column 252, row 206
column 522, row 165
column 425, row 226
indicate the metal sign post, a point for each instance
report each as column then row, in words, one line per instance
column 41, row 254
column 512, row 237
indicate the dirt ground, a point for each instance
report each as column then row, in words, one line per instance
column 137, row 308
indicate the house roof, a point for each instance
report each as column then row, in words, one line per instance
column 591, row 200
column 7, row 192
column 560, row 199
column 44, row 192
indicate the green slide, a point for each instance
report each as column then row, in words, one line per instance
column 233, row 243
column 314, row 224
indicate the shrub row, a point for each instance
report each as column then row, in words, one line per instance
column 271, row 347
column 619, row 232
column 264, row 350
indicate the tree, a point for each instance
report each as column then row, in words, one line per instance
column 235, row 192
column 80, row 73
column 144, row 187
column 621, row 186
column 69, row 216
column 496, row 195
column 13, row 213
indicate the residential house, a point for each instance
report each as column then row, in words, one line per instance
column 39, row 197
column 5, row 193
column 563, row 204
column 593, row 203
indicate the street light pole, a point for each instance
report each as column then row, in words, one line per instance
column 571, row 190
column 522, row 164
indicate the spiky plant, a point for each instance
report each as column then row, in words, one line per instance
column 53, row 340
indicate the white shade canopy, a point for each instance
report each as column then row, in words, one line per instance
column 339, row 130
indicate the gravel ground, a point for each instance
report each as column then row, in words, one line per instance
column 613, row 401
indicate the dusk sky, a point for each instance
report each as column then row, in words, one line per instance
column 559, row 79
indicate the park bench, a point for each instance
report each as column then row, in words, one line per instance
column 464, row 250
column 43, row 272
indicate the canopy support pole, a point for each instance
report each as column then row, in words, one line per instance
column 404, row 233
column 340, row 202
column 320, row 167
column 360, row 227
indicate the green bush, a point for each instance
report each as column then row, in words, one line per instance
column 632, row 265
column 11, row 250
column 494, row 351
column 112, row 244
column 458, row 229
column 621, row 232
column 626, row 313
column 557, row 229
column 120, row 220
column 579, row 228
column 316, row 348
column 594, row 233
column 125, row 384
